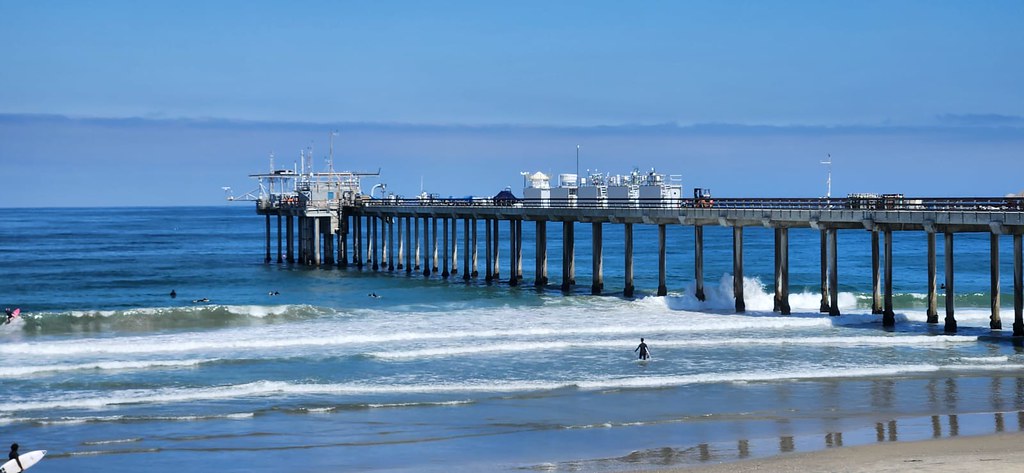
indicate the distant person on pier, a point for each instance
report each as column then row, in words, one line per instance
column 642, row 348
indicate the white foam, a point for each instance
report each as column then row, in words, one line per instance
column 25, row 370
column 511, row 347
column 279, row 388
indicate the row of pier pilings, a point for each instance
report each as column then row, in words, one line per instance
column 372, row 240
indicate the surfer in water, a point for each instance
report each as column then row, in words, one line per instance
column 14, row 456
column 374, row 295
column 174, row 294
column 11, row 314
column 642, row 348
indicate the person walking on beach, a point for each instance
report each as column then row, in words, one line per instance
column 14, row 456
column 642, row 348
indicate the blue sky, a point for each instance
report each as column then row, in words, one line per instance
column 162, row 103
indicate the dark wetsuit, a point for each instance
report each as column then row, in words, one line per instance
column 643, row 351
column 14, row 456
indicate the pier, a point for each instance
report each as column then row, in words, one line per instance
column 337, row 225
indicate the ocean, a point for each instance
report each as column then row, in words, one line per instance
column 297, row 368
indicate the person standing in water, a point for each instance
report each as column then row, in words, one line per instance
column 642, row 348
column 14, row 456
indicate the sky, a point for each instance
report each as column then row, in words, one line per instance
column 109, row 103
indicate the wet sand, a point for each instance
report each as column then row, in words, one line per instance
column 985, row 453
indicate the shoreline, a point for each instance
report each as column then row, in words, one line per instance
column 998, row 452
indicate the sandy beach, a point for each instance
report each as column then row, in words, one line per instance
column 988, row 453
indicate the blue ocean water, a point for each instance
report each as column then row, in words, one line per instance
column 106, row 371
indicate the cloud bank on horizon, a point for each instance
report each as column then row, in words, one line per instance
column 164, row 103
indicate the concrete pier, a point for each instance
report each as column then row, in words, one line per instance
column 825, row 307
column 933, row 295
column 698, row 261
column 489, row 271
column 1018, row 286
column 597, row 259
column 662, row 287
column 416, row 238
column 876, row 275
column 495, row 242
column 475, row 250
column 408, row 245
column 737, row 268
column 833, row 271
column 994, row 321
column 465, row 252
column 455, row 247
column 541, row 278
column 888, row 316
column 401, row 245
column 513, row 280
column 433, row 249
column 426, row 247
column 568, row 257
column 950, row 293
column 321, row 234
column 784, row 266
column 444, row 245
column 519, row 250
column 628, row 289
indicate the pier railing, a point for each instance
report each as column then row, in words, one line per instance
column 974, row 204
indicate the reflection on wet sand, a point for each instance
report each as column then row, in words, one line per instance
column 941, row 395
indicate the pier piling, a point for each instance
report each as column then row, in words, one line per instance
column 950, row 293
column 541, row 278
column 888, row 316
column 628, row 289
column 597, row 260
column 698, row 261
column 994, row 321
column 876, row 275
column 933, row 296
column 737, row 267
column 662, row 287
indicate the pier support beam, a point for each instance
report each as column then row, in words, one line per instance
column 824, row 273
column 784, row 308
column 662, row 287
column 833, row 272
column 290, row 234
column 568, row 257
column 444, row 245
column 465, row 250
column 416, row 238
column 496, row 239
column 512, row 252
column 401, row 243
column 737, row 267
column 888, row 316
column 933, row 295
column 541, row 278
column 316, row 241
column 488, row 271
column 267, row 259
column 597, row 250
column 374, row 245
column 519, row 250
column 357, row 246
column 328, row 239
column 629, row 289
column 698, row 261
column 391, row 244
column 1018, row 286
column 408, row 245
column 280, row 254
column 475, row 250
column 343, row 241
column 433, row 249
column 995, row 323
column 950, row 293
column 426, row 246
column 455, row 246
column 781, row 302
column 876, row 275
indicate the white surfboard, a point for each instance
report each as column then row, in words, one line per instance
column 27, row 460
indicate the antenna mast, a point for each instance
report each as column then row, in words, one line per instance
column 828, row 182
